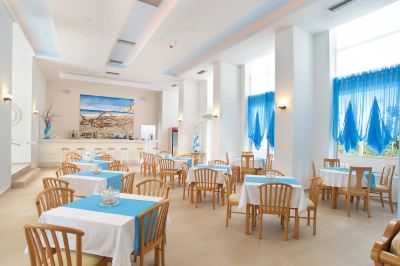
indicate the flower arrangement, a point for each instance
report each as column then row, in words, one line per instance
column 48, row 117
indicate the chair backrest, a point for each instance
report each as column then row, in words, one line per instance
column 275, row 198
column 166, row 166
column 106, row 157
column 68, row 164
column 271, row 172
column 127, row 183
column 268, row 163
column 73, row 157
column 247, row 152
column 314, row 189
column 235, row 175
column 247, row 161
column 164, row 152
column 218, row 162
column 205, row 179
column 152, row 226
column 67, row 170
column 118, row 167
column 185, row 156
column 153, row 187
column 197, row 157
column 185, row 171
column 387, row 175
column 49, row 182
column 51, row 198
column 49, row 244
column 227, row 158
column 228, row 184
column 360, row 174
column 113, row 163
column 331, row 162
column 141, row 156
column 314, row 172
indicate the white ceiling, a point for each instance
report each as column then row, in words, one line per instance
column 200, row 32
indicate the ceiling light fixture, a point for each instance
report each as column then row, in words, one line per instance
column 112, row 73
column 126, row 42
column 7, row 98
column 201, row 72
column 114, row 61
column 340, row 5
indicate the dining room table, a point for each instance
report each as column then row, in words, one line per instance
column 337, row 177
column 110, row 231
column 179, row 161
column 86, row 183
column 258, row 162
column 91, row 165
column 250, row 196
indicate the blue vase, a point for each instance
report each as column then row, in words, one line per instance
column 46, row 131
column 196, row 143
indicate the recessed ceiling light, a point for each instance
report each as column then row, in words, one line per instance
column 174, row 85
column 114, row 61
column 112, row 73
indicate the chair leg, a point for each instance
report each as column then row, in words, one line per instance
column 315, row 222
column 381, row 196
column 260, row 223
column 323, row 194
column 348, row 205
column 390, row 201
column 142, row 260
column 162, row 255
column 134, row 258
column 357, row 202
column 227, row 215
column 213, row 200
column 196, row 198
column 184, row 190
column 223, row 196
column 157, row 256
column 286, row 227
column 308, row 217
column 368, row 206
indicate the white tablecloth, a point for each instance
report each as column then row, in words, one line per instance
column 87, row 185
column 220, row 175
column 87, row 166
column 250, row 194
column 179, row 162
column 336, row 178
column 258, row 162
column 106, row 234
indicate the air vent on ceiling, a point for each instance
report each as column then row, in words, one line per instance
column 116, row 61
column 174, row 85
column 340, row 5
column 126, row 42
column 155, row 3
column 201, row 72
column 112, row 73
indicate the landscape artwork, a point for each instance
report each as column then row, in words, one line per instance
column 106, row 117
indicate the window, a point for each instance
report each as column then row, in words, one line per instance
column 260, row 75
column 365, row 44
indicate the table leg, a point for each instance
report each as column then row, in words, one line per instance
column 334, row 198
column 296, row 223
column 247, row 218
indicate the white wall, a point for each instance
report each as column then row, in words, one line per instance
column 39, row 98
column 6, row 37
column 294, row 83
column 22, row 96
column 168, row 117
column 65, row 99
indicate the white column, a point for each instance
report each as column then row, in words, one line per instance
column 6, row 37
column 227, row 129
column 168, row 116
column 294, row 85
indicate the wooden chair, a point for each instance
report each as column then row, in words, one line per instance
column 51, row 198
column 49, row 182
column 247, row 165
column 227, row 158
column 68, row 164
column 164, row 152
column 331, row 162
column 268, row 163
column 218, row 162
column 312, row 202
column 127, row 183
column 73, row 157
column 167, row 168
column 67, row 170
column 186, row 187
column 231, row 198
column 152, row 232
column 154, row 166
column 357, row 190
column 385, row 185
column 44, row 242
column 235, row 176
column 119, row 168
column 323, row 188
column 113, row 163
column 107, row 157
column 205, row 180
column 148, row 163
column 153, row 187
column 271, row 172
column 275, row 199
column 380, row 253
column 142, row 162
column 197, row 157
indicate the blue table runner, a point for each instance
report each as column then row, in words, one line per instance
column 102, row 164
column 113, row 179
column 225, row 167
column 346, row 170
column 127, row 207
column 264, row 180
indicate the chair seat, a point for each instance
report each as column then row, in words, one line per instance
column 310, row 204
column 352, row 192
column 381, row 188
column 208, row 187
column 87, row 259
column 325, row 187
column 234, row 199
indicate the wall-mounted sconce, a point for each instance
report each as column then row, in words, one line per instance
column 35, row 112
column 180, row 120
column 282, row 107
column 7, row 98
column 215, row 116
column 210, row 116
column 282, row 104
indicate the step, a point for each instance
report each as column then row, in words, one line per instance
column 23, row 180
column 19, row 169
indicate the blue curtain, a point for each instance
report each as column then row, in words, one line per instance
column 259, row 113
column 271, row 130
column 349, row 136
column 361, row 90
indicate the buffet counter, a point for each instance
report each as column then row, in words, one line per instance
column 51, row 152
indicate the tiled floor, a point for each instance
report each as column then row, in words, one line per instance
column 199, row 237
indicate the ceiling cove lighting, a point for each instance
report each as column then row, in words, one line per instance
column 143, row 20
